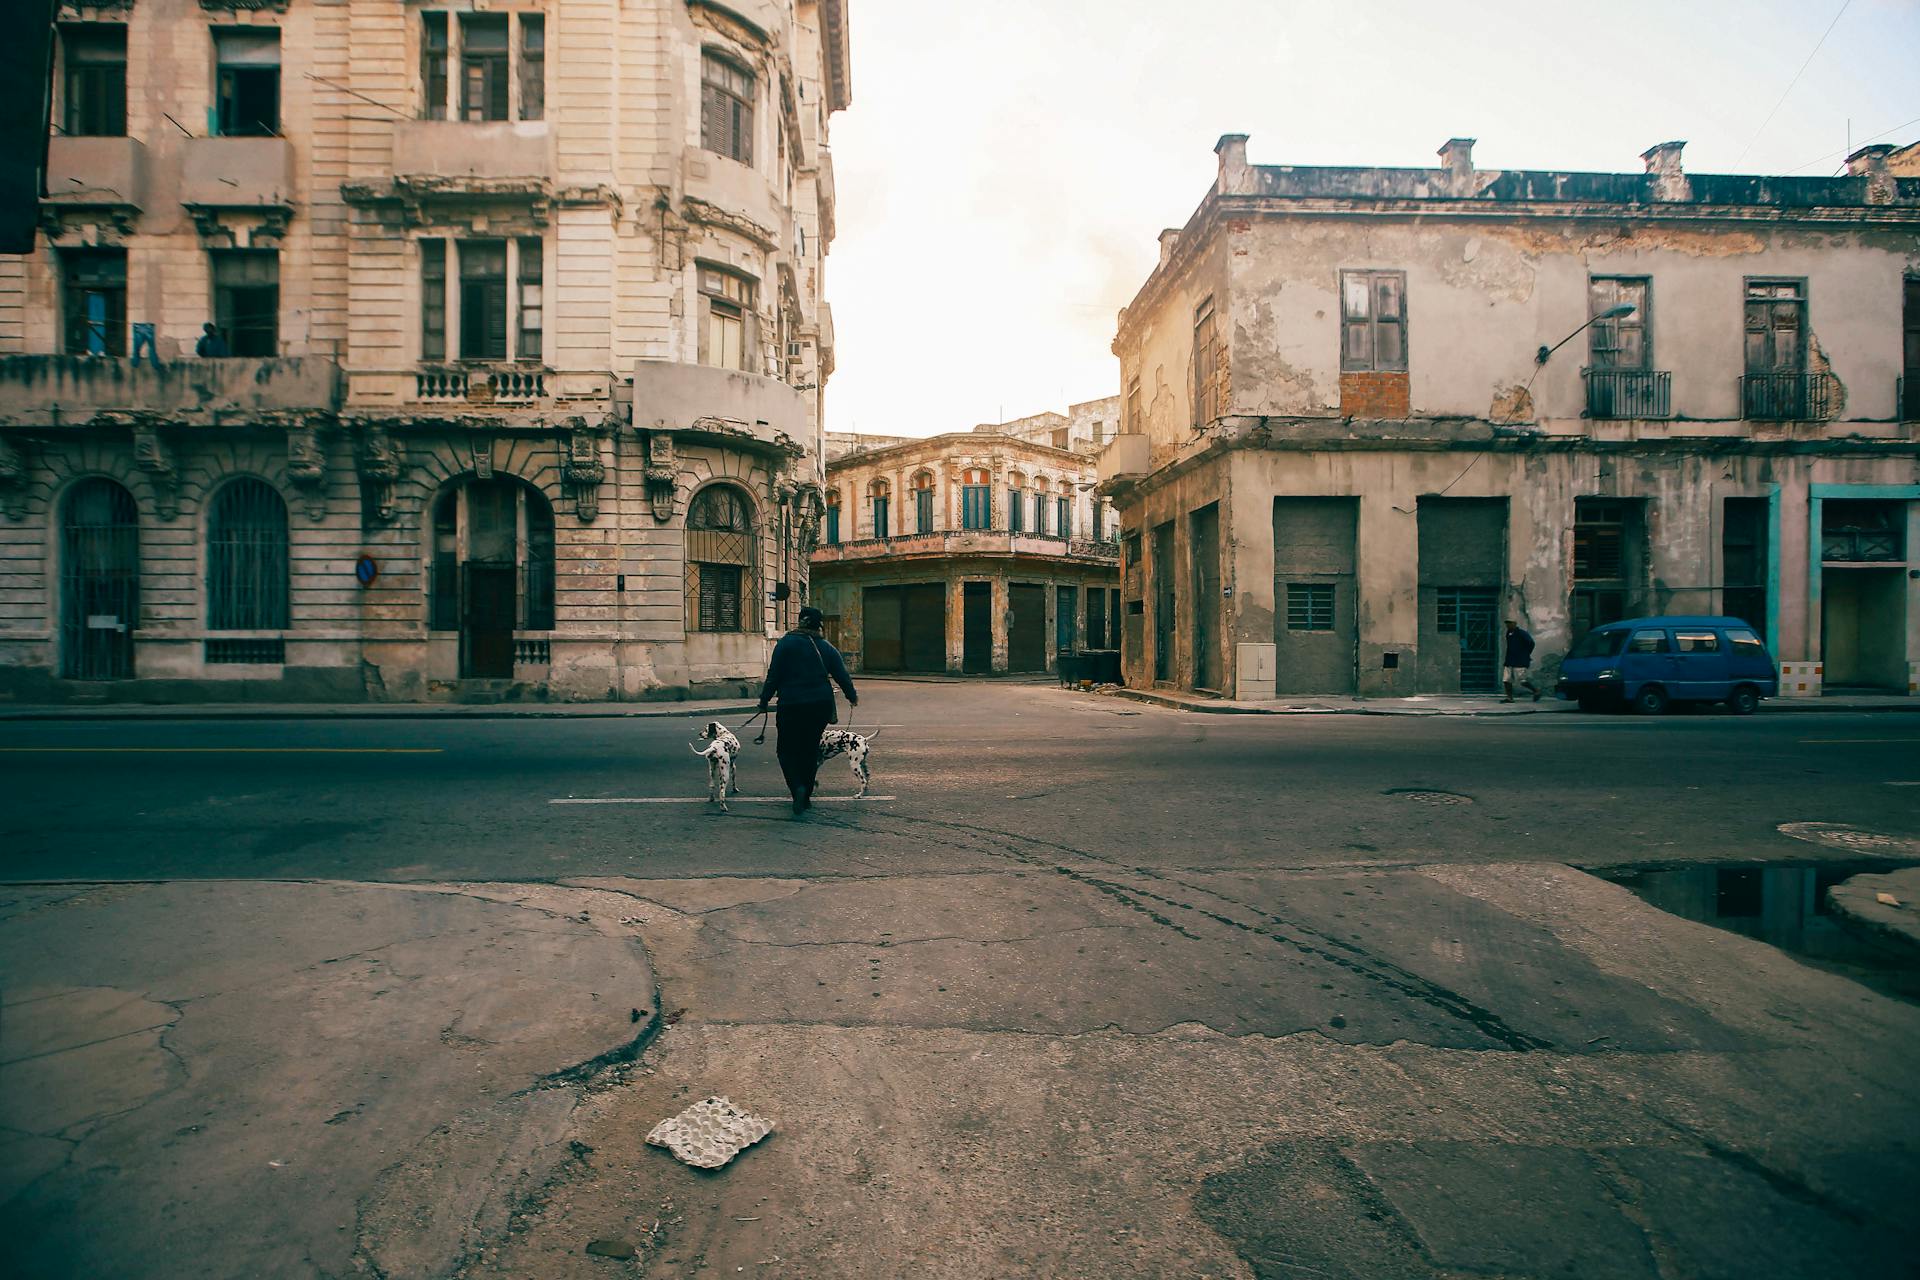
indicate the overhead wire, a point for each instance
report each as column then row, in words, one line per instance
column 1844, row 6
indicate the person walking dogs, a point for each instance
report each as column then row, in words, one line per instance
column 1519, row 659
column 803, row 670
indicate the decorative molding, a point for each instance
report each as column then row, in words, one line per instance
column 480, row 448
column 379, row 462
column 151, row 455
column 63, row 221
column 13, row 480
column 217, row 232
column 663, row 478
column 583, row 470
column 307, row 467
column 712, row 215
column 243, row 6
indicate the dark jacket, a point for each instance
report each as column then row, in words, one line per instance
column 799, row 669
column 1519, row 648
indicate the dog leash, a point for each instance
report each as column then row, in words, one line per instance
column 760, row 716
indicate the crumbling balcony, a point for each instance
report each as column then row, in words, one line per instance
column 56, row 390
column 1629, row 393
column 1787, row 397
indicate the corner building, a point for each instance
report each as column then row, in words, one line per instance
column 520, row 350
column 1369, row 413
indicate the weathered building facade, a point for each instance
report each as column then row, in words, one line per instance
column 976, row 553
column 1370, row 412
column 513, row 356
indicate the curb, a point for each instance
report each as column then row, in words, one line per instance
column 375, row 712
column 1771, row 705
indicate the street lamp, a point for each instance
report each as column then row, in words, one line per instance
column 1616, row 312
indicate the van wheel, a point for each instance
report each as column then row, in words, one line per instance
column 1743, row 701
column 1650, row 701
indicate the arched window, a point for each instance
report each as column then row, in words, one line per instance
column 1016, row 502
column 247, row 571
column 721, row 584
column 878, row 493
column 923, row 502
column 99, row 581
column 833, row 517
column 976, row 498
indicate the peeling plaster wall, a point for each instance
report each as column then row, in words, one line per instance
column 1484, row 295
column 1156, row 346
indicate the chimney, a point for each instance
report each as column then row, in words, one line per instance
column 1457, row 159
column 1169, row 241
column 1871, row 163
column 1669, row 179
column 1234, row 171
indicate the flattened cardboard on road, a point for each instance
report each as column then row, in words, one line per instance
column 709, row 1133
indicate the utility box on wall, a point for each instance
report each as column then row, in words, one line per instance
column 1253, row 672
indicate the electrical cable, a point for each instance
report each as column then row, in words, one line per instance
column 1844, row 6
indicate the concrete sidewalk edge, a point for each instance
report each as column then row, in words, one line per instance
column 386, row 711
column 1398, row 707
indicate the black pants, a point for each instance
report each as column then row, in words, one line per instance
column 798, row 744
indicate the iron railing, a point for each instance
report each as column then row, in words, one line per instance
column 1786, row 397
column 1629, row 393
column 99, row 581
column 268, row 651
column 1861, row 545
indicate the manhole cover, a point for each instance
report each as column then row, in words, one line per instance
column 1429, row 797
column 1841, row 836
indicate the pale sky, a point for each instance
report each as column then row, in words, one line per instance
column 1007, row 164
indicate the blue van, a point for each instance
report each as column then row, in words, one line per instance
column 1647, row 663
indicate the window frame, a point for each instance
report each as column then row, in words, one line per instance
column 529, row 288
column 112, row 327
column 433, row 297
column 258, row 551
column 485, row 294
column 722, row 562
column 1205, row 364
column 240, row 335
column 1604, row 337
column 230, row 67
column 1371, row 323
column 728, row 299
column 93, row 87
column 729, row 96
column 1765, row 294
column 495, row 68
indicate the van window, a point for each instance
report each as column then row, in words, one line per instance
column 1744, row 641
column 1649, row 642
column 1598, row 644
column 1698, row 641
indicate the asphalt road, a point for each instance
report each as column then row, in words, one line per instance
column 973, row 775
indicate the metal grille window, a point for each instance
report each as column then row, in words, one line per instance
column 94, row 301
column 248, row 62
column 1599, row 541
column 433, row 299
column 483, row 299
column 728, row 301
column 246, row 301
column 720, row 559
column 483, row 67
column 247, row 558
column 1206, row 357
column 95, row 83
column 726, row 108
column 1373, row 321
column 532, row 312
column 99, row 581
column 1310, row 606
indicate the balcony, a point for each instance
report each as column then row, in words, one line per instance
column 1787, row 397
column 96, row 173
column 966, row 542
column 477, row 152
column 66, row 389
column 728, row 404
column 1629, row 393
column 1124, row 459
column 498, row 383
column 237, row 173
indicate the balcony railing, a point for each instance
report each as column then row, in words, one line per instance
column 505, row 383
column 968, row 542
column 1629, row 393
column 1860, row 545
column 1786, row 397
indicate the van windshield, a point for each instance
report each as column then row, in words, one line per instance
column 1598, row 644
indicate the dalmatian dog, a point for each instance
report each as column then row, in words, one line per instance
column 722, row 753
column 854, row 746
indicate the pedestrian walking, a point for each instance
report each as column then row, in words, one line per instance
column 211, row 345
column 1519, row 659
column 802, row 671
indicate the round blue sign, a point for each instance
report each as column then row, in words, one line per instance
column 366, row 569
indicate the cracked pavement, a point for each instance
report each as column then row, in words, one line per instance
column 1212, row 1005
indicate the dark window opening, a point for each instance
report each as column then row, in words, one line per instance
column 247, row 559
column 1862, row 532
column 483, row 67
column 1743, row 553
column 720, row 560
column 433, row 65
column 246, row 301
column 94, row 87
column 726, row 108
column 433, row 299
column 248, row 62
column 483, row 299
column 94, row 301
column 533, row 66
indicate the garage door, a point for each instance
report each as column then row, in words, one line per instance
column 905, row 628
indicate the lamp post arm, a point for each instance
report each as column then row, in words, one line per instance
column 1545, row 352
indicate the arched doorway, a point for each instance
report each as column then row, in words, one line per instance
column 492, row 570
column 99, row 581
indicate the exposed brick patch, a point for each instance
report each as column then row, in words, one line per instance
column 1374, row 395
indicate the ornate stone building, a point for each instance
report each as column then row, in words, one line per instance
column 399, row 349
column 977, row 552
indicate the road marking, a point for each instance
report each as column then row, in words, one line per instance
column 1904, row 784
column 1849, row 742
column 704, row 800
column 297, row 751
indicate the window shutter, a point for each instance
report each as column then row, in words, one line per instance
column 715, row 120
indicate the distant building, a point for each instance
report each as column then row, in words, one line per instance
column 519, row 362
column 977, row 552
column 1369, row 413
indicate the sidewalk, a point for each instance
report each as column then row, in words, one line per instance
column 1462, row 705
column 379, row 710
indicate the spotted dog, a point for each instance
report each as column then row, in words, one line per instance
column 854, row 746
column 722, row 754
